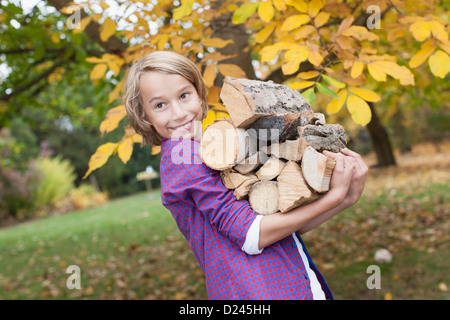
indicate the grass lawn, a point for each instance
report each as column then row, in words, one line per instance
column 131, row 248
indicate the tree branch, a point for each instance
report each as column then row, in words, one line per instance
column 113, row 45
column 5, row 97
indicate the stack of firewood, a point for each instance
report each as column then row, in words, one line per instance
column 270, row 150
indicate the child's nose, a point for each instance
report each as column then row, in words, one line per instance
column 178, row 111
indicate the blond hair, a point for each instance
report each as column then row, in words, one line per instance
column 159, row 61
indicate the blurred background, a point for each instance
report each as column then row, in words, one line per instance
column 76, row 187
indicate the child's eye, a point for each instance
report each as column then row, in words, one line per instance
column 184, row 95
column 159, row 105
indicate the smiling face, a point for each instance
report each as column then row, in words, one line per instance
column 172, row 105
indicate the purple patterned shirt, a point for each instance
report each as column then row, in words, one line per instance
column 215, row 225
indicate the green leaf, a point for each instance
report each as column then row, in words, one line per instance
column 244, row 12
column 309, row 95
column 333, row 82
column 326, row 90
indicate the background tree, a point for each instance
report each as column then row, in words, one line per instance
column 325, row 49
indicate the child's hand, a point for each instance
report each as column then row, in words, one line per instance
column 342, row 175
column 358, row 177
column 359, row 171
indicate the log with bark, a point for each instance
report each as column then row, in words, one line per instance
column 270, row 151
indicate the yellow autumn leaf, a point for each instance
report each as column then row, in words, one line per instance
column 114, row 94
column 293, row 58
column 400, row 73
column 156, row 149
column 439, row 64
column 125, row 149
column 210, row 118
column 314, row 56
column 360, row 33
column 268, row 53
column 231, row 70
column 294, row 22
column 336, row 103
column 425, row 51
column 304, row 32
column 421, row 30
column 299, row 85
column 308, row 74
column 209, row 75
column 107, row 29
column 314, row 6
column 366, row 94
column 137, row 138
column 262, row 35
column 376, row 71
column 183, row 10
column 266, row 11
column 359, row 109
column 82, row 25
column 300, row 5
column 244, row 12
column 98, row 71
column 357, row 69
column 438, row 31
column 321, row 19
column 215, row 42
column 112, row 119
column 100, row 156
column 279, row 4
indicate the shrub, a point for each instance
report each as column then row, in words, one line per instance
column 86, row 196
column 16, row 193
column 56, row 180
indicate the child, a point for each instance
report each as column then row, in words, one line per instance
column 243, row 255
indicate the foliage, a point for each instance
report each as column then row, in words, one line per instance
column 85, row 196
column 342, row 58
column 56, row 180
column 17, row 180
column 326, row 49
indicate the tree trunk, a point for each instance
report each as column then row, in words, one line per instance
column 380, row 140
column 224, row 29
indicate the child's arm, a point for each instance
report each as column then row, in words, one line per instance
column 343, row 187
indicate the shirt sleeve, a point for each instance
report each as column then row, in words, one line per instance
column 251, row 244
column 186, row 177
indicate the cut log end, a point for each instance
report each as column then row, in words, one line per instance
column 263, row 197
column 317, row 169
column 223, row 145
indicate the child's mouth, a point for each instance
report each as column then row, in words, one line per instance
column 184, row 127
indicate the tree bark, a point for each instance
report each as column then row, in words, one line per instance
column 380, row 140
column 224, row 29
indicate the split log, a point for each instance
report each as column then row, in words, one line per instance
column 251, row 163
column 271, row 169
column 293, row 190
column 263, row 197
column 223, row 145
column 317, row 169
column 288, row 150
column 243, row 190
column 233, row 180
column 323, row 137
column 278, row 128
column 249, row 100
